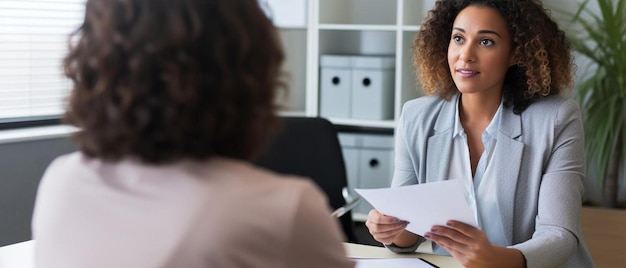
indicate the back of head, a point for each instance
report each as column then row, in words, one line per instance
column 163, row 80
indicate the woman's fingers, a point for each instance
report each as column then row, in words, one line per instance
column 466, row 243
column 384, row 228
column 465, row 229
column 447, row 238
column 375, row 216
column 388, row 236
column 459, row 232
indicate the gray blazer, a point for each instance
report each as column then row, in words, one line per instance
column 539, row 165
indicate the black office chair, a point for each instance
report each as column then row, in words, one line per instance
column 309, row 147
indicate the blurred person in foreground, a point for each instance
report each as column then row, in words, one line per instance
column 173, row 99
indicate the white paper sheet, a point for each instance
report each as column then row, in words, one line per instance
column 423, row 205
column 392, row 262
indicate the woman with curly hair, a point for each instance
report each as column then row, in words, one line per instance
column 173, row 99
column 493, row 119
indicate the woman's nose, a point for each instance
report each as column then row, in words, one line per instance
column 466, row 53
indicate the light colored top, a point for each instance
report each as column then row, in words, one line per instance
column 217, row 213
column 538, row 161
column 481, row 190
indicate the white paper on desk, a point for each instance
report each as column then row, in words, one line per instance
column 423, row 205
column 392, row 262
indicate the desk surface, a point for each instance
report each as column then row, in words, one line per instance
column 21, row 255
column 366, row 251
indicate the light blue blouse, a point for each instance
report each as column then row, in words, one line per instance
column 481, row 192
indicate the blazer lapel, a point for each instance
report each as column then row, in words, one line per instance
column 507, row 161
column 440, row 144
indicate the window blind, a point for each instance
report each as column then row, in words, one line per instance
column 33, row 42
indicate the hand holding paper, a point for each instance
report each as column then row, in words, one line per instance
column 423, row 205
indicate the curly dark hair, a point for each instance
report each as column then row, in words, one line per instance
column 544, row 65
column 163, row 80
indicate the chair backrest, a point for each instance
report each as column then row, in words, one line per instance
column 309, row 147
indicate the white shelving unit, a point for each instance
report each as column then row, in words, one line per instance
column 350, row 27
column 354, row 27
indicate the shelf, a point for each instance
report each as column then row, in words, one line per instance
column 357, row 42
column 358, row 27
column 350, row 27
column 414, row 11
column 301, row 28
column 294, row 70
column 286, row 14
column 354, row 28
column 409, row 89
column 292, row 113
column 382, row 12
column 390, row 124
column 410, row 28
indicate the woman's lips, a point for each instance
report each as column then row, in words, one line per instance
column 466, row 73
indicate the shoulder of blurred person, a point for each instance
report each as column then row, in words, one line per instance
column 221, row 212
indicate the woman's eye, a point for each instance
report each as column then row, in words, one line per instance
column 486, row 42
column 457, row 39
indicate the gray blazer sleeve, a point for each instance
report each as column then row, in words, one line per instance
column 557, row 234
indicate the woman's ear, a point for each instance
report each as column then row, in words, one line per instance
column 512, row 60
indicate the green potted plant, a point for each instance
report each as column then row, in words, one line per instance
column 600, row 36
